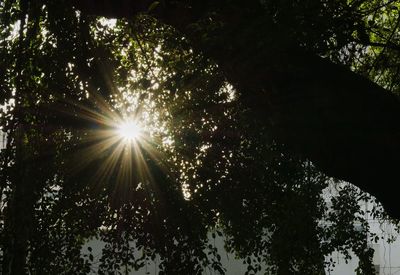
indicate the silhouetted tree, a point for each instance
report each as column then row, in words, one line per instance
column 247, row 104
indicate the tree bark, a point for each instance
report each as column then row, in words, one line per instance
column 346, row 124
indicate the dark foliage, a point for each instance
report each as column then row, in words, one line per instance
column 214, row 162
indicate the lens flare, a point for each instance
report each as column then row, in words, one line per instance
column 122, row 146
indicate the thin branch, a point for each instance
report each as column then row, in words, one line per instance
column 387, row 41
column 144, row 53
column 388, row 45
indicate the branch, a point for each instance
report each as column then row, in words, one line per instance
column 388, row 45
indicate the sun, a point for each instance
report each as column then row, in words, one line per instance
column 126, row 147
column 130, row 130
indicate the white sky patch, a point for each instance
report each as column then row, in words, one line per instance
column 14, row 32
column 109, row 23
column 230, row 91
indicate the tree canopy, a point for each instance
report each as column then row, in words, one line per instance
column 246, row 109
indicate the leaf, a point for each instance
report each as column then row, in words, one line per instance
column 153, row 6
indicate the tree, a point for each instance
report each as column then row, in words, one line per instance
column 219, row 158
column 277, row 70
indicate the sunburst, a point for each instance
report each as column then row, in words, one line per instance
column 120, row 146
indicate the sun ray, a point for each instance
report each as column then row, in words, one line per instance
column 99, row 144
column 119, row 147
column 108, row 166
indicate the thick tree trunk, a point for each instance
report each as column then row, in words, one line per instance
column 347, row 125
